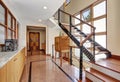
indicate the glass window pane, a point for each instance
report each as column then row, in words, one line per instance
column 76, row 20
column 86, row 15
column 13, row 24
column 78, row 27
column 9, row 34
column 77, row 52
column 13, row 35
column 67, row 1
column 100, row 25
column 101, row 39
column 9, row 20
column 2, row 35
column 99, row 9
column 86, row 29
column 2, row 15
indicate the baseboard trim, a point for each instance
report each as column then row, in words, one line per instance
column 116, row 57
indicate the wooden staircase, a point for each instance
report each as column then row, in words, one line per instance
column 101, row 70
column 107, row 70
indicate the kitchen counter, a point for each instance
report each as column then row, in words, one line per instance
column 5, row 57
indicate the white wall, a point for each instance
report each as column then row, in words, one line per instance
column 113, row 23
column 22, row 35
column 52, row 32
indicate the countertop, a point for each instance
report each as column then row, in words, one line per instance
column 5, row 57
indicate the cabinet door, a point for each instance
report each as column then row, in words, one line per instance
column 15, row 67
column 10, row 71
column 3, row 74
column 57, row 45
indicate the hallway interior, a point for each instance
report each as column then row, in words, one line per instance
column 40, row 68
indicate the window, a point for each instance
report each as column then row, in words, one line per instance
column 100, row 25
column 9, row 20
column 67, row 2
column 2, row 15
column 96, row 16
column 99, row 9
column 76, row 20
column 2, row 35
column 9, row 34
column 8, row 24
column 86, row 15
column 101, row 39
column 86, row 29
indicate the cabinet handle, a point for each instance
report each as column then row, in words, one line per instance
column 15, row 59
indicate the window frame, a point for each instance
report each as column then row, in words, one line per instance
column 5, row 25
column 94, row 19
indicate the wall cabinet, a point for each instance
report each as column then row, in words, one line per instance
column 12, row 71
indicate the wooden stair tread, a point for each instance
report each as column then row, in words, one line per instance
column 85, row 80
column 101, row 75
column 110, row 63
column 101, row 52
column 77, row 35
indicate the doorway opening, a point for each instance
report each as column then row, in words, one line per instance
column 36, row 40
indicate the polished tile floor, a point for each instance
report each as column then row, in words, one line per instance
column 40, row 68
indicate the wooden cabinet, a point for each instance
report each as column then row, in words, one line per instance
column 3, row 74
column 15, row 67
column 12, row 71
column 62, row 43
column 57, row 44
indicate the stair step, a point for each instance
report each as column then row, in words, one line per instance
column 99, row 76
column 101, row 52
column 77, row 35
column 109, row 67
column 85, row 80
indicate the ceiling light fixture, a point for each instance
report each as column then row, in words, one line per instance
column 39, row 20
column 45, row 7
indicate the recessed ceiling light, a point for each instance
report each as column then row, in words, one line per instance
column 39, row 20
column 44, row 7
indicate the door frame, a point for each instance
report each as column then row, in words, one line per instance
column 38, row 39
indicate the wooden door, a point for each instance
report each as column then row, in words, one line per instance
column 34, row 41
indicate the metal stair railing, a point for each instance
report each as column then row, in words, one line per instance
column 68, row 31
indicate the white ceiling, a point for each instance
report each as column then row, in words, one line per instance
column 31, row 11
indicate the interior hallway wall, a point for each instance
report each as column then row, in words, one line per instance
column 113, row 23
column 52, row 32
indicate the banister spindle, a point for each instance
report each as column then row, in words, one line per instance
column 70, row 22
